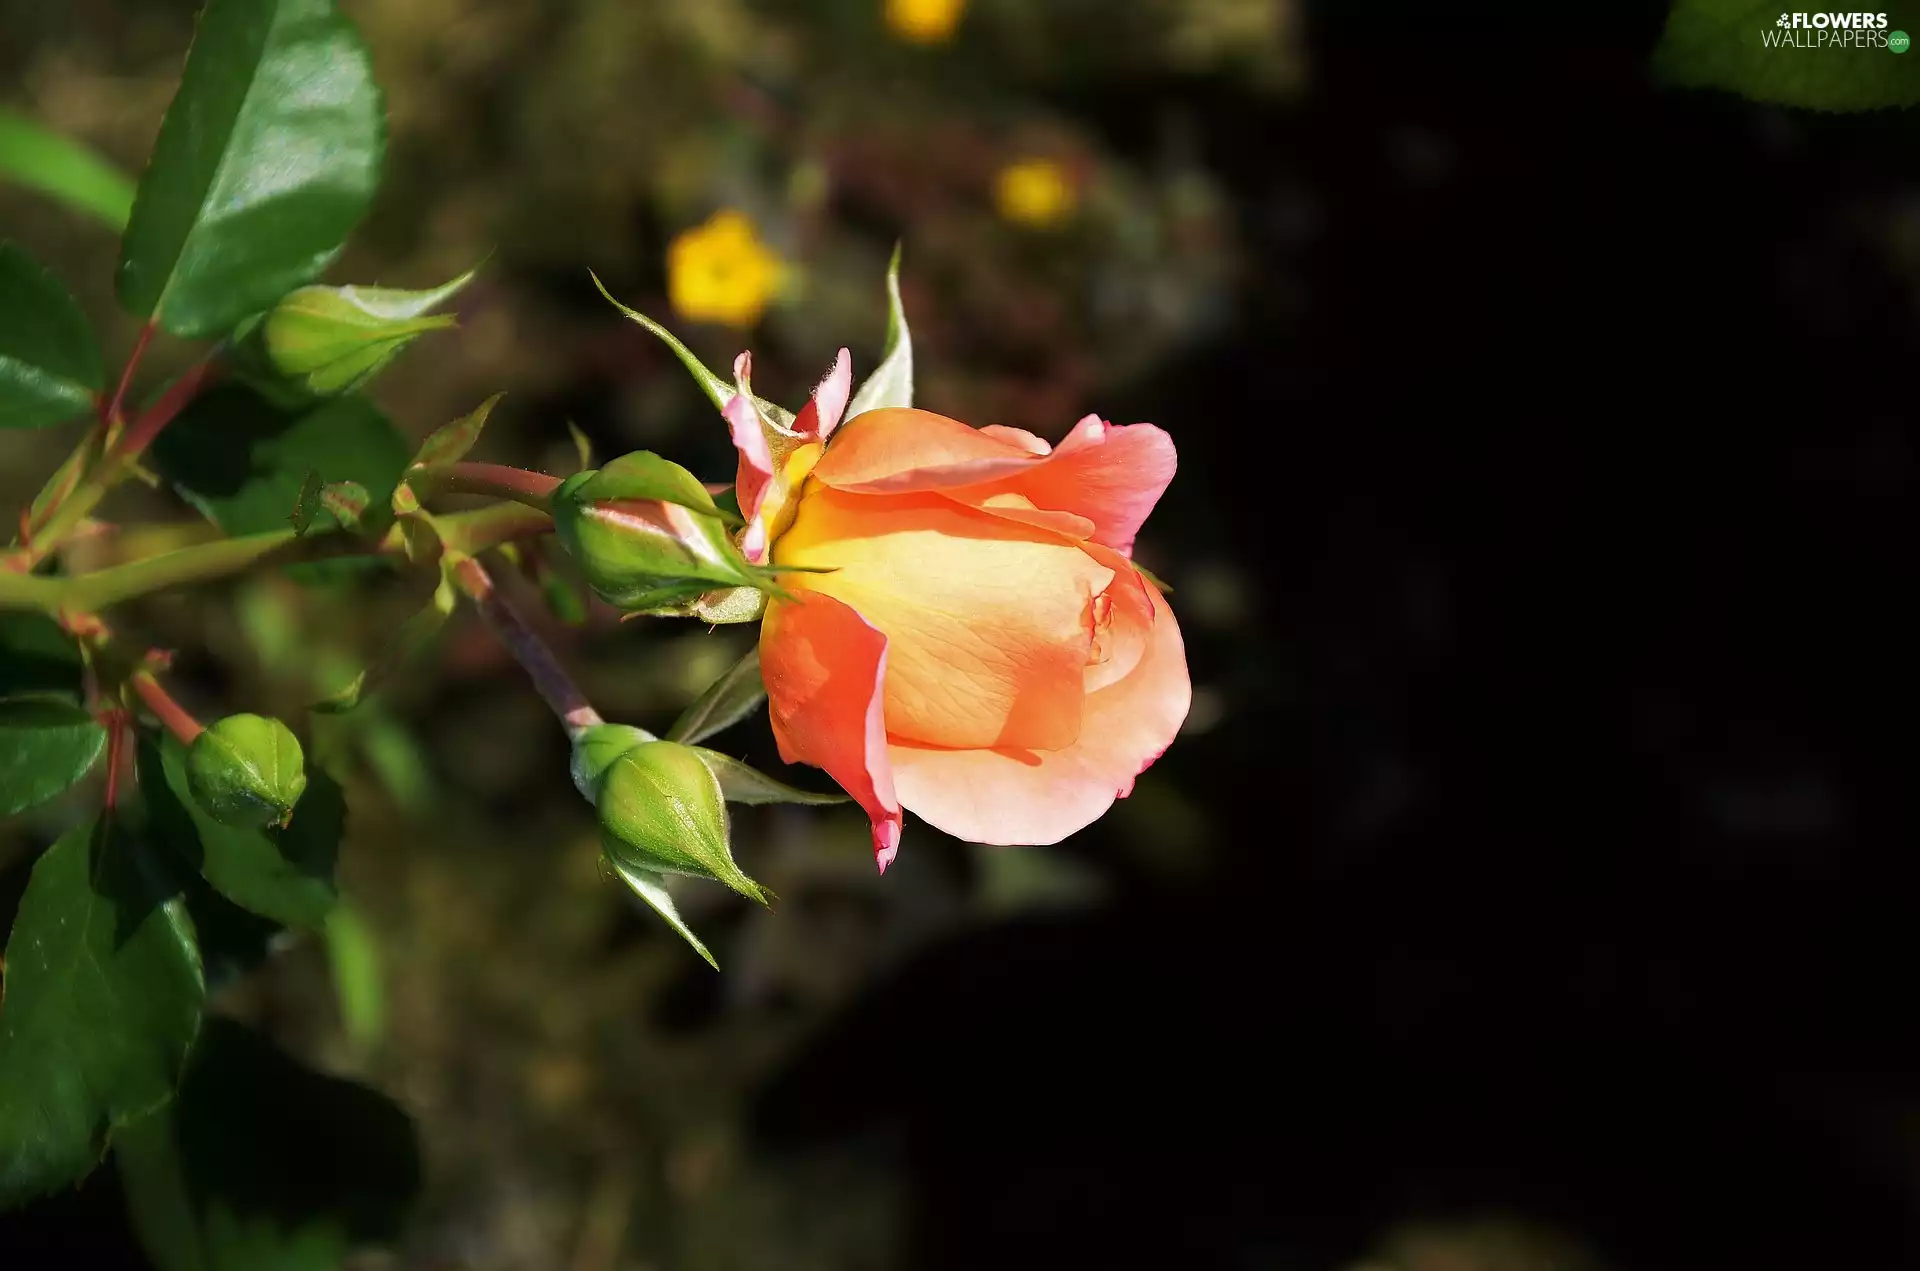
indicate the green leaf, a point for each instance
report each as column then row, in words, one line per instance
column 32, row 156
column 354, row 956
column 742, row 784
column 243, row 461
column 49, row 364
column 652, row 888
column 37, row 657
column 891, row 383
column 1724, row 44
column 727, row 701
column 415, row 634
column 450, row 443
column 262, row 1164
column 45, row 746
column 283, row 874
column 267, row 159
column 102, row 1002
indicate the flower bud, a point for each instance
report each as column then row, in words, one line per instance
column 247, row 771
column 333, row 339
column 661, row 809
column 595, row 749
column 646, row 534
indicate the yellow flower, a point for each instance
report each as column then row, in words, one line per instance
column 925, row 21
column 1034, row 192
column 722, row 272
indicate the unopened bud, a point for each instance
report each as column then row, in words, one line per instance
column 595, row 749
column 247, row 771
column 646, row 534
column 334, row 339
column 661, row 809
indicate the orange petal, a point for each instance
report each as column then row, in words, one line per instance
column 1028, row 797
column 1110, row 474
column 824, row 666
column 986, row 619
column 897, row 450
column 1017, row 437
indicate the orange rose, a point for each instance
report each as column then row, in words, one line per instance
column 978, row 647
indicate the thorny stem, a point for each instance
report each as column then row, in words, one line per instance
column 495, row 480
column 116, row 463
column 203, row 562
column 169, row 712
column 551, row 680
column 110, row 410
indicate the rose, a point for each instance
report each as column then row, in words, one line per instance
column 969, row 639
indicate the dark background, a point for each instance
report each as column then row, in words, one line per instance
column 1541, row 896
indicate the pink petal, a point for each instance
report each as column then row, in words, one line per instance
column 821, row 415
column 755, row 472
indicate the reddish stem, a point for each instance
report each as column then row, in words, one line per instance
column 498, row 479
column 551, row 680
column 119, row 400
column 142, row 431
column 169, row 712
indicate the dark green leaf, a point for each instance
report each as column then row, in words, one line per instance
column 103, row 995
column 283, row 874
column 742, row 784
column 242, row 460
column 891, row 383
column 727, row 701
column 449, row 443
column 262, row 1164
column 65, row 170
column 267, row 159
column 45, row 746
column 49, row 364
column 1739, row 46
column 37, row 657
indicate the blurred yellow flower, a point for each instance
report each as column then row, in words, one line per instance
column 1034, row 192
column 925, row 21
column 722, row 272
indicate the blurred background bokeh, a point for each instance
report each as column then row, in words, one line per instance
column 1532, row 887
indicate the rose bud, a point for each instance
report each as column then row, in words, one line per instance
column 247, row 771
column 661, row 810
column 647, row 535
column 334, row 339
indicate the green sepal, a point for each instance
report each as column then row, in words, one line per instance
column 332, row 340
column 645, row 475
column 740, row 783
column 891, row 383
column 450, row 443
column 661, row 809
column 652, row 888
column 726, row 701
column 718, row 390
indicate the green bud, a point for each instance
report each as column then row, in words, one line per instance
column 594, row 749
column 247, row 771
column 646, row 534
column 334, row 339
column 661, row 809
